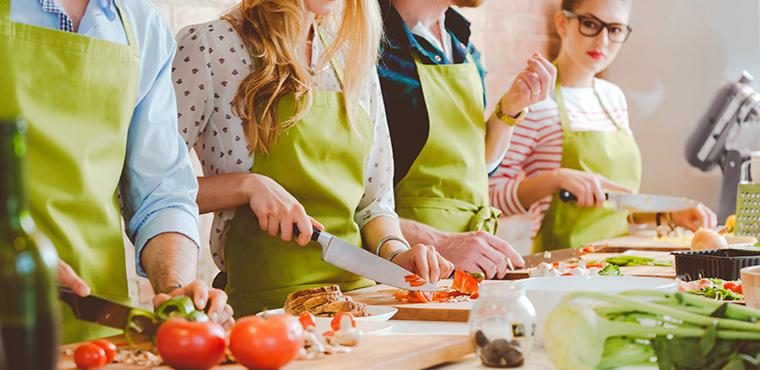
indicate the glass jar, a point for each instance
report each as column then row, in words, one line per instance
column 502, row 325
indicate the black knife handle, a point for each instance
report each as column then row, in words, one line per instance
column 314, row 235
column 567, row 196
column 67, row 295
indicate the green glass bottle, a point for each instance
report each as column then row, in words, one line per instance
column 28, row 263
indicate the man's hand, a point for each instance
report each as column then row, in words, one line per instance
column 69, row 279
column 479, row 251
column 215, row 299
column 531, row 86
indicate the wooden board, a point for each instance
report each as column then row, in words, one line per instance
column 604, row 251
column 382, row 295
column 374, row 352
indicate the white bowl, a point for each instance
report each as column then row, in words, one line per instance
column 546, row 292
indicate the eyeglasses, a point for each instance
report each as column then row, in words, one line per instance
column 590, row 26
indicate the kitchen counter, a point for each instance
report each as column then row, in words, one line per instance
column 536, row 360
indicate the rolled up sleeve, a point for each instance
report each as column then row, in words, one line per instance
column 158, row 186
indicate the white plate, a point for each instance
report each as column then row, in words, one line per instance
column 546, row 292
column 377, row 322
column 376, row 314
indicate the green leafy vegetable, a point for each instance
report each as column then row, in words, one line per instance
column 636, row 261
column 610, row 270
column 672, row 329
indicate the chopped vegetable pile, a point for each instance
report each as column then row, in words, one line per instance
column 464, row 287
column 675, row 331
column 635, row 261
column 718, row 289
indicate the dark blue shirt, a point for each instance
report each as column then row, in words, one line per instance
column 404, row 102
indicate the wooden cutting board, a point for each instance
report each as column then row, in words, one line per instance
column 382, row 295
column 408, row 352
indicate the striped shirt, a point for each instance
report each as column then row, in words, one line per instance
column 536, row 146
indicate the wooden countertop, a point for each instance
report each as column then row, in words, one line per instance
column 537, row 360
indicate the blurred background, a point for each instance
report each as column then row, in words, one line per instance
column 680, row 53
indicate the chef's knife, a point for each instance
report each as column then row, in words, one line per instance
column 644, row 203
column 358, row 261
column 105, row 312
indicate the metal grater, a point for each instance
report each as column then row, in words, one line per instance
column 748, row 210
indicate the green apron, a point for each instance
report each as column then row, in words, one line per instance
column 320, row 161
column 447, row 185
column 78, row 95
column 614, row 155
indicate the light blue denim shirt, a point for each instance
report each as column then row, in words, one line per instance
column 158, row 186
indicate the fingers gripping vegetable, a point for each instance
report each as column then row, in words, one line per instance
column 177, row 307
column 626, row 331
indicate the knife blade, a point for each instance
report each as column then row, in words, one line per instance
column 104, row 312
column 646, row 203
column 356, row 260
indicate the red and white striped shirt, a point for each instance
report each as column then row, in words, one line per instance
column 536, row 145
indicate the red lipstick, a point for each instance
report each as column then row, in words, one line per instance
column 595, row 54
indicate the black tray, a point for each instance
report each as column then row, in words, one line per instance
column 723, row 264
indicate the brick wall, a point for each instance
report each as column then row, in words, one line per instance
column 506, row 32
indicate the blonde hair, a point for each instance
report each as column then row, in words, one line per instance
column 270, row 29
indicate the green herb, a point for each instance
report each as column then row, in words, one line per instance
column 673, row 330
column 610, row 270
column 719, row 293
column 636, row 261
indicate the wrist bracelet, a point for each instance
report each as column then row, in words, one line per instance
column 389, row 238
column 396, row 253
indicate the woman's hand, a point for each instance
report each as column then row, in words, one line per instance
column 587, row 187
column 426, row 262
column 278, row 211
column 531, row 86
column 693, row 219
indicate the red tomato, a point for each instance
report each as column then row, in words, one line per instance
column 190, row 345
column 107, row 346
column 89, row 356
column 266, row 344
column 335, row 323
column 307, row 320
column 734, row 287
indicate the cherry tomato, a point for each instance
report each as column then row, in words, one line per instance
column 107, row 346
column 266, row 344
column 89, row 356
column 307, row 320
column 190, row 345
column 335, row 323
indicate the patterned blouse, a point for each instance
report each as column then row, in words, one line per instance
column 211, row 62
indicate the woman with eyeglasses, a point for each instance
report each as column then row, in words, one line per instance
column 579, row 140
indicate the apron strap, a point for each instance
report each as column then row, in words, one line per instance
column 131, row 40
column 481, row 215
column 417, row 60
column 565, row 118
column 334, row 60
column 5, row 9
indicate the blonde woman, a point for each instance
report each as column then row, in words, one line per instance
column 290, row 136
